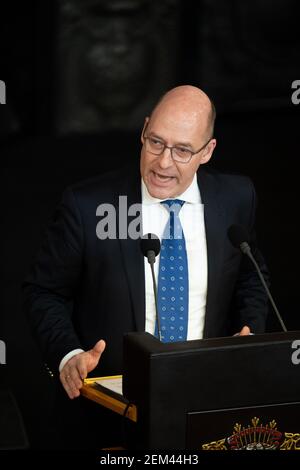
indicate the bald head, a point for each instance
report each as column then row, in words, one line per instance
column 181, row 120
column 188, row 104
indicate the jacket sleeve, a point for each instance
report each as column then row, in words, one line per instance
column 251, row 301
column 50, row 286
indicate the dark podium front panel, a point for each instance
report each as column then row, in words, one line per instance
column 193, row 393
column 272, row 427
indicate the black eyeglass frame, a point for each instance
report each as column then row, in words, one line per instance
column 165, row 146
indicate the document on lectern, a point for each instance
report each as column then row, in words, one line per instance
column 112, row 385
column 108, row 392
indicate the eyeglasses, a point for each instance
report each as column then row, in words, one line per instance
column 178, row 153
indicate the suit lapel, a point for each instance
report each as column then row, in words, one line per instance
column 132, row 256
column 215, row 229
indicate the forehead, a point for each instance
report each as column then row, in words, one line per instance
column 174, row 124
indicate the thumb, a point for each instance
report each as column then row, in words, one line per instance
column 245, row 331
column 94, row 355
column 98, row 349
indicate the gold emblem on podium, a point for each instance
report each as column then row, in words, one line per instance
column 256, row 436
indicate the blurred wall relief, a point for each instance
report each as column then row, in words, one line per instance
column 115, row 59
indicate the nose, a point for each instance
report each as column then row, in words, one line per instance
column 165, row 159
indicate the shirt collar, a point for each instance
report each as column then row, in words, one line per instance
column 190, row 195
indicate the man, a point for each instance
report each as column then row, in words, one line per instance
column 85, row 292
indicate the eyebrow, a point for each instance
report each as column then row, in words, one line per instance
column 183, row 144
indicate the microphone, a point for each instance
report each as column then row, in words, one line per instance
column 150, row 247
column 239, row 238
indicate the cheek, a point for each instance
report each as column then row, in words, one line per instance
column 187, row 174
column 145, row 162
column 195, row 166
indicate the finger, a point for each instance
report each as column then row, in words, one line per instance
column 68, row 388
column 82, row 366
column 245, row 331
column 73, row 378
column 72, row 389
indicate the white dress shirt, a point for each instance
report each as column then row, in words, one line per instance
column 155, row 218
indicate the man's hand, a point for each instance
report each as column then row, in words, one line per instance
column 78, row 367
column 245, row 331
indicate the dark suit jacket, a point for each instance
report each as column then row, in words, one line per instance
column 82, row 289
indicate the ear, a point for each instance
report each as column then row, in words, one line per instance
column 208, row 151
column 147, row 119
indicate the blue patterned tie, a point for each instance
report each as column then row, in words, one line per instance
column 173, row 283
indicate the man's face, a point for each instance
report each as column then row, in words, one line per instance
column 164, row 177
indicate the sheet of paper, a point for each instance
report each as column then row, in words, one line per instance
column 114, row 384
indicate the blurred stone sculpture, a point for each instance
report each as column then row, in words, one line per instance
column 115, row 58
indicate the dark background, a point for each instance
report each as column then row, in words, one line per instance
column 82, row 75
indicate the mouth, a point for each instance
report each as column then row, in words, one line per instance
column 160, row 179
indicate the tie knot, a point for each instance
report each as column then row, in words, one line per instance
column 173, row 205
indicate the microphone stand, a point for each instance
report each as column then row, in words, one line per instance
column 151, row 261
column 247, row 250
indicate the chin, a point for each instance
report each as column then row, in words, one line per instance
column 161, row 193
